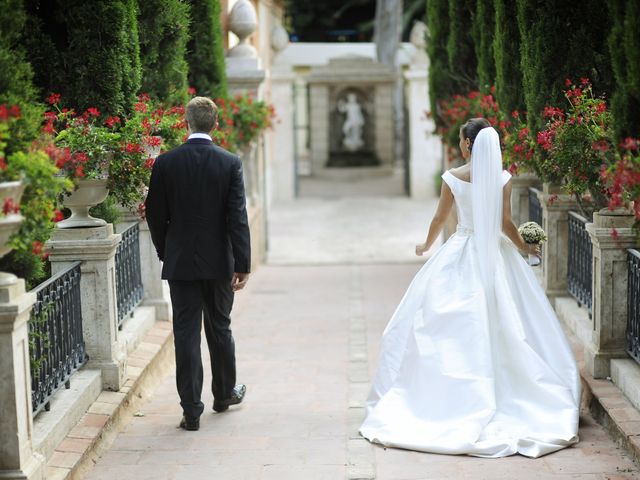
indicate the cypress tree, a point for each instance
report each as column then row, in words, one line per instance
column 164, row 32
column 506, row 52
column 440, row 85
column 463, row 63
column 624, row 46
column 560, row 41
column 483, row 34
column 205, row 56
column 87, row 51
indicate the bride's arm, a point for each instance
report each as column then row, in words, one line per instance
column 509, row 228
column 441, row 215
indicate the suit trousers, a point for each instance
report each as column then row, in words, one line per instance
column 190, row 299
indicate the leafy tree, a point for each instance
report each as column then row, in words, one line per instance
column 440, row 83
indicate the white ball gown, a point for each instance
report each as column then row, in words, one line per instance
column 453, row 379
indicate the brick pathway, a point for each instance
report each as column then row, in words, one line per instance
column 307, row 340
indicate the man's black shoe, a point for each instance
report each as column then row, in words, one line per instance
column 190, row 423
column 236, row 397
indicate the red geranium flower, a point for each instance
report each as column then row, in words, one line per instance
column 53, row 99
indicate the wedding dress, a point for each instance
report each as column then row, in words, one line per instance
column 474, row 360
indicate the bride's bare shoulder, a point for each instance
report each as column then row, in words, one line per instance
column 463, row 173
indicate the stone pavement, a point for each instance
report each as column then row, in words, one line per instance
column 307, row 337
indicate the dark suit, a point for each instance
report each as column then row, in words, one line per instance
column 197, row 217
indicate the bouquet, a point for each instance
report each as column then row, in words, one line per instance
column 534, row 234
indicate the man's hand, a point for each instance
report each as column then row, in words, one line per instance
column 239, row 281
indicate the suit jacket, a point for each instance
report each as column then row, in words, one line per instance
column 196, row 212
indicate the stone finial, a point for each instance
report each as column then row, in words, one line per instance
column 418, row 35
column 243, row 21
column 418, row 38
column 279, row 38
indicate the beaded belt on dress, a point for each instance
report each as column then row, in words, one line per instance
column 464, row 230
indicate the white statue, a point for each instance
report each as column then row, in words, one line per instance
column 353, row 123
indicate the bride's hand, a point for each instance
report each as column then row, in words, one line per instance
column 420, row 249
column 534, row 249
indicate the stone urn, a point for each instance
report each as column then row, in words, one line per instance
column 243, row 21
column 10, row 195
column 88, row 194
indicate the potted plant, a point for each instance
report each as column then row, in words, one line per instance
column 88, row 147
column 623, row 179
column 576, row 145
column 28, row 189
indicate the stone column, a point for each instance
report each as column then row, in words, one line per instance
column 152, row 282
column 17, row 458
column 425, row 148
column 319, row 127
column 96, row 248
column 520, row 196
column 609, row 289
column 555, row 222
column 384, row 124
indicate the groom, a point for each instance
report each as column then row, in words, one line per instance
column 197, row 217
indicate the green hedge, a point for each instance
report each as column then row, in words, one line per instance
column 463, row 63
column 483, row 31
column 506, row 52
column 624, row 45
column 164, row 32
column 87, row 51
column 561, row 40
column 440, row 85
column 207, row 73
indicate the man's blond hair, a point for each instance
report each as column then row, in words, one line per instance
column 201, row 115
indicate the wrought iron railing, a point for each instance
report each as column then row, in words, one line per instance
column 129, row 290
column 535, row 209
column 56, row 344
column 579, row 268
column 633, row 305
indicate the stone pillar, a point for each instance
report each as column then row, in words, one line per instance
column 283, row 174
column 555, row 222
column 609, row 288
column 319, row 126
column 17, row 458
column 425, row 148
column 96, row 248
column 520, row 196
column 384, row 126
column 151, row 276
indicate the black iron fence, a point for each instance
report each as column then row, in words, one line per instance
column 129, row 290
column 56, row 344
column 535, row 209
column 579, row 271
column 633, row 305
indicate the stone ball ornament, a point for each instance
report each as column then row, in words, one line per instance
column 243, row 22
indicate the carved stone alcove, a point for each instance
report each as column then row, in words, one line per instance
column 351, row 116
column 361, row 150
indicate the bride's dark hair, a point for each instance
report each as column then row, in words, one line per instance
column 472, row 127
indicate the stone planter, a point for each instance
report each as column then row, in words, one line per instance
column 9, row 224
column 88, row 194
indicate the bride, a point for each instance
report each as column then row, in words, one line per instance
column 474, row 361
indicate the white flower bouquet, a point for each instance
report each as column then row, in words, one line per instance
column 532, row 233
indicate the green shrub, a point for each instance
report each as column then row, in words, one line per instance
column 207, row 73
column 463, row 63
column 440, row 84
